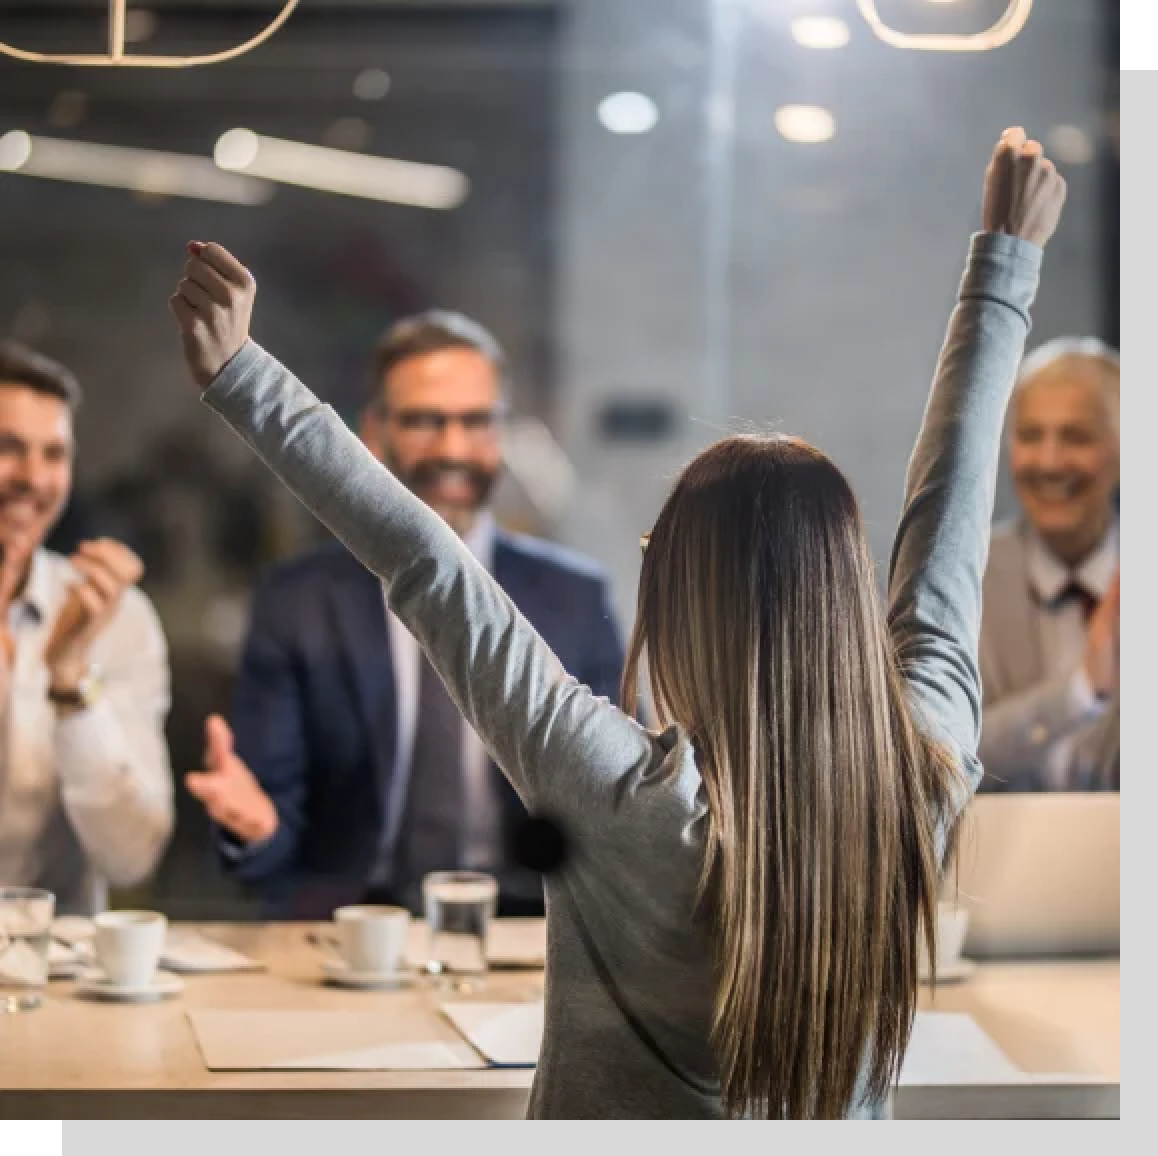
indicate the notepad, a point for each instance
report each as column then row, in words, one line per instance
column 401, row 1039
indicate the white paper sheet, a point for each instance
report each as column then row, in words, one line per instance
column 399, row 1039
column 511, row 943
column 191, row 952
column 508, row 1034
column 73, row 928
column 186, row 950
column 949, row 1048
column 945, row 1048
column 517, row 943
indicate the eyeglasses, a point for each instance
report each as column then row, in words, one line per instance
column 427, row 424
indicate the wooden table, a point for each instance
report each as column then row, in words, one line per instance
column 1057, row 1021
column 80, row 1059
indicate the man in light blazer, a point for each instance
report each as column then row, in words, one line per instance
column 1049, row 635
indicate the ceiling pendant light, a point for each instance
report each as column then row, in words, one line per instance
column 116, row 57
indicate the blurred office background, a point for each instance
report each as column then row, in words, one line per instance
column 681, row 217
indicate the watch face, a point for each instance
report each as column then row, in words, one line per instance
column 88, row 689
column 85, row 695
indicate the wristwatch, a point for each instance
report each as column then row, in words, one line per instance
column 85, row 694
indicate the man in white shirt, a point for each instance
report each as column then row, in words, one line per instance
column 354, row 773
column 1049, row 636
column 86, row 793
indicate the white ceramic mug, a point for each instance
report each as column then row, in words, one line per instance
column 128, row 945
column 952, row 927
column 372, row 939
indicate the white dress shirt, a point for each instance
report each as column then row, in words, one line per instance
column 1062, row 631
column 86, row 798
column 482, row 818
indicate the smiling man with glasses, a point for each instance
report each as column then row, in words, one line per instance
column 436, row 417
column 351, row 773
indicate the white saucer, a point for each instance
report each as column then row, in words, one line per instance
column 338, row 972
column 99, row 986
column 957, row 972
column 66, row 970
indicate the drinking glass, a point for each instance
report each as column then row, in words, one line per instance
column 25, row 927
column 459, row 906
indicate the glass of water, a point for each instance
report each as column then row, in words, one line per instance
column 25, row 925
column 459, row 906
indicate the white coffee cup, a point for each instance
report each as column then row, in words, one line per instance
column 372, row 939
column 128, row 945
column 952, row 927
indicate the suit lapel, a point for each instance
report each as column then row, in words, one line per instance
column 358, row 606
column 1022, row 625
column 510, row 572
column 1010, row 602
column 513, row 575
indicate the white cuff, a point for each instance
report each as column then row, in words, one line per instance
column 1084, row 702
column 236, row 850
column 90, row 752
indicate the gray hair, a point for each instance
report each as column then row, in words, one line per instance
column 1088, row 359
column 432, row 332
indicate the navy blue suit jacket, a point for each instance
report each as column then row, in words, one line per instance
column 315, row 714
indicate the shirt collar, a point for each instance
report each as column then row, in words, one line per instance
column 1050, row 576
column 36, row 597
column 480, row 539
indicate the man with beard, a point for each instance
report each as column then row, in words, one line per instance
column 1049, row 636
column 350, row 773
column 86, row 794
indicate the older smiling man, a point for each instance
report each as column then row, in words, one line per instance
column 1049, row 639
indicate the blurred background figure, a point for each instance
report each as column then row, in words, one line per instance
column 86, row 795
column 352, row 773
column 1049, row 646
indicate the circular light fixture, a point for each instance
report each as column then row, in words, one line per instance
column 371, row 84
column 820, row 32
column 628, row 113
column 805, row 123
column 236, row 149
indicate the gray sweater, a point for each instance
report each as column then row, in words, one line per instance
column 629, row 982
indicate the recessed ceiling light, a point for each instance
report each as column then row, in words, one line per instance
column 820, row 32
column 628, row 113
column 371, row 84
column 805, row 123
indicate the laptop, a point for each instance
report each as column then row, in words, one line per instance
column 1039, row 875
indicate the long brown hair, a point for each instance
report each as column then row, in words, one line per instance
column 765, row 639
